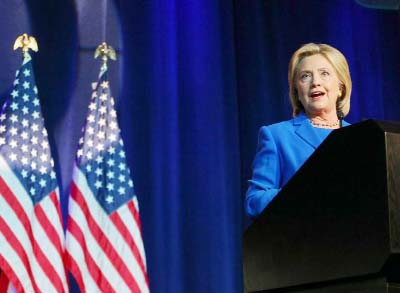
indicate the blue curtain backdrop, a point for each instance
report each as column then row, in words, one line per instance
column 197, row 79
column 179, row 95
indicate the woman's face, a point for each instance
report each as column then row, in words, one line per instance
column 318, row 86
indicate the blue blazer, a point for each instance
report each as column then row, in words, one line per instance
column 282, row 149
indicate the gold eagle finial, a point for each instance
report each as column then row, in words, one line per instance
column 105, row 52
column 26, row 42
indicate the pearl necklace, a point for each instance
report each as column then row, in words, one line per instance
column 325, row 124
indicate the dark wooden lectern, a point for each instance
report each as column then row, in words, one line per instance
column 335, row 227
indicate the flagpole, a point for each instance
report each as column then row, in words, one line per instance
column 104, row 28
column 103, row 237
column 31, row 231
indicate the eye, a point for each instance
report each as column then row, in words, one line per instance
column 305, row 76
column 325, row 73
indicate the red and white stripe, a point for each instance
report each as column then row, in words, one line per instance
column 31, row 237
column 5, row 285
column 105, row 253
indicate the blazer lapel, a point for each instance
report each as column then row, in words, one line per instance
column 305, row 131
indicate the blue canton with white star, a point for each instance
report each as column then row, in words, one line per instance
column 23, row 137
column 101, row 155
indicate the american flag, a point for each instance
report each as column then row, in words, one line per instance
column 31, row 233
column 104, row 245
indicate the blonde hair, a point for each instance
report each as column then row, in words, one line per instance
column 338, row 62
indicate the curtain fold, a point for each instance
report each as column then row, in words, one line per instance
column 180, row 85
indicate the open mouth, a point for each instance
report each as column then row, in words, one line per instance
column 315, row 95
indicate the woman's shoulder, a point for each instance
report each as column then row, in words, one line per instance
column 279, row 126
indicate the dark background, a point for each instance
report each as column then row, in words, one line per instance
column 194, row 81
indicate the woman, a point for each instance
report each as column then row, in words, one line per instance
column 319, row 89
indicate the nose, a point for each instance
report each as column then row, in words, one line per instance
column 316, row 80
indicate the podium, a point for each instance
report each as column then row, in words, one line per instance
column 335, row 226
